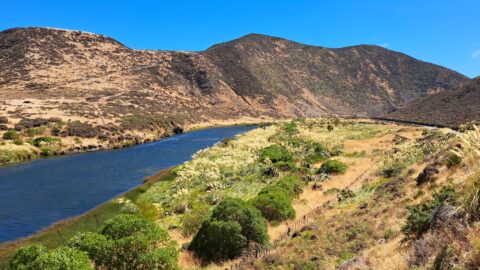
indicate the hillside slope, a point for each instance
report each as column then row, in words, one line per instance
column 451, row 108
column 255, row 75
column 361, row 79
column 323, row 193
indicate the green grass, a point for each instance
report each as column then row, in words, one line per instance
column 91, row 221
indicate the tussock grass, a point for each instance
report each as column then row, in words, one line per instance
column 10, row 153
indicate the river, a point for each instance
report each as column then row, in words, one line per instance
column 36, row 194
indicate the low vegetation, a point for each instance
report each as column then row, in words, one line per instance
column 124, row 242
column 37, row 257
column 233, row 227
column 412, row 202
column 333, row 166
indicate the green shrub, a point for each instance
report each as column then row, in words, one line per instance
column 275, row 205
column 11, row 135
column 316, row 152
column 45, row 140
column 234, row 224
column 191, row 221
column 250, row 219
column 164, row 258
column 333, row 166
column 275, row 153
column 147, row 209
column 330, row 127
column 63, row 258
column 31, row 132
column 453, row 161
column 420, row 215
column 392, row 170
column 290, row 185
column 25, row 256
column 129, row 242
column 123, row 226
column 218, row 241
column 46, row 152
column 275, row 200
column 290, row 128
column 285, row 166
column 125, row 242
column 35, row 257
column 94, row 244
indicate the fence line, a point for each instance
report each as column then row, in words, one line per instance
column 258, row 253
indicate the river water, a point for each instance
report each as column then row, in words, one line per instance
column 39, row 193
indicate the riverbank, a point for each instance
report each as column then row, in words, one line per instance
column 56, row 234
column 19, row 148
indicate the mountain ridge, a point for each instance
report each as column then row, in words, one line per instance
column 451, row 109
column 96, row 79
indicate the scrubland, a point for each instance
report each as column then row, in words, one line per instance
column 377, row 196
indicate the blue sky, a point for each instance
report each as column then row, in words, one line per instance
column 439, row 31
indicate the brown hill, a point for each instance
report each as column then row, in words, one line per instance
column 275, row 73
column 361, row 79
column 451, row 108
column 94, row 79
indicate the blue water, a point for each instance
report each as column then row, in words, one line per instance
column 37, row 194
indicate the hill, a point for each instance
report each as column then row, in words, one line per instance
column 451, row 108
column 74, row 84
column 256, row 74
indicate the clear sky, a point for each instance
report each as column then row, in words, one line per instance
column 445, row 32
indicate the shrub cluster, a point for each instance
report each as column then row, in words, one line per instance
column 124, row 242
column 275, row 153
column 37, row 257
column 290, row 128
column 36, row 122
column 233, row 226
column 316, row 152
column 274, row 205
column 333, row 166
column 45, row 140
column 80, row 129
column 275, row 200
column 453, row 160
column 11, row 135
column 143, row 122
column 420, row 215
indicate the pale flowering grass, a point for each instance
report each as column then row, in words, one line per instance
column 410, row 152
column 469, row 146
column 10, row 152
column 216, row 172
column 233, row 169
